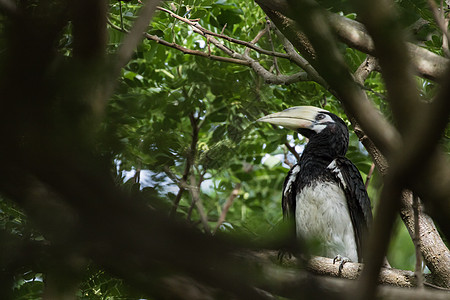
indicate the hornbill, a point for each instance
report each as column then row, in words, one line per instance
column 324, row 191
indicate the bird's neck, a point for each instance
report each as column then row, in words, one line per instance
column 326, row 145
column 320, row 157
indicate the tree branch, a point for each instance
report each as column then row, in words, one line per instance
column 299, row 60
column 134, row 36
column 416, row 240
column 227, row 206
column 196, row 52
column 441, row 23
column 189, row 162
column 206, row 32
column 292, row 150
column 432, row 247
column 127, row 47
column 325, row 267
column 269, row 35
column 426, row 63
column 197, row 201
column 8, row 6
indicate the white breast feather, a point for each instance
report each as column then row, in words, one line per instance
column 322, row 215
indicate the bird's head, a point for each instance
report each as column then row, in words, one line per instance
column 322, row 128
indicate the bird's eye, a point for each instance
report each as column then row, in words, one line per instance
column 320, row 117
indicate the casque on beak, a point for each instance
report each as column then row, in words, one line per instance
column 294, row 118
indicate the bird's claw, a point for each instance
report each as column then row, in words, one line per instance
column 282, row 254
column 343, row 260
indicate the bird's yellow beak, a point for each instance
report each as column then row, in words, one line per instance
column 294, row 118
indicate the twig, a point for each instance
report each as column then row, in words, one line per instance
column 206, row 32
column 235, row 58
column 269, row 35
column 223, row 28
column 416, row 240
column 121, row 16
column 196, row 52
column 324, row 102
column 255, row 40
column 286, row 160
column 369, row 175
column 441, row 22
column 292, row 150
column 189, row 162
column 227, row 206
column 298, row 59
column 196, row 200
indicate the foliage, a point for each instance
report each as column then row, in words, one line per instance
column 164, row 98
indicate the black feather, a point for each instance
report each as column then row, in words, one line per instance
column 357, row 200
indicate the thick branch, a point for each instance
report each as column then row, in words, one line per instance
column 8, row 6
column 433, row 249
column 127, row 47
column 133, row 38
column 426, row 63
column 325, row 266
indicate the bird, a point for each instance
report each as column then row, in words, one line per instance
column 324, row 192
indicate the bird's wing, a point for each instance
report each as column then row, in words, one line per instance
column 358, row 201
column 289, row 193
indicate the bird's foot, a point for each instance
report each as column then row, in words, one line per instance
column 283, row 253
column 343, row 260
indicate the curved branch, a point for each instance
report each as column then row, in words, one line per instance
column 426, row 63
column 196, row 52
column 207, row 32
column 299, row 60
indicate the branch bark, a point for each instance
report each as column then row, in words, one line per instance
column 426, row 63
